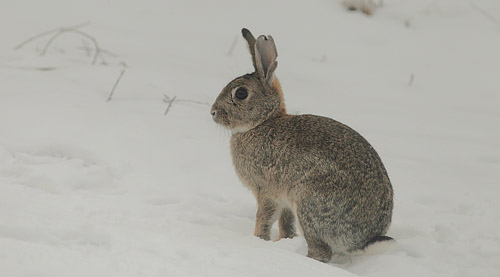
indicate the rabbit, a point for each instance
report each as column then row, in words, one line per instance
column 304, row 168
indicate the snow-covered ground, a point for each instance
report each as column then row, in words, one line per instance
column 96, row 188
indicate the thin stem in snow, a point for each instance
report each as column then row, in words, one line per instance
column 193, row 101
column 485, row 13
column 60, row 32
column 114, row 86
column 170, row 101
column 167, row 100
column 50, row 32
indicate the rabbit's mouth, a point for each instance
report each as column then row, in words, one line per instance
column 220, row 117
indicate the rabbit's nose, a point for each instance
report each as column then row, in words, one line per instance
column 213, row 112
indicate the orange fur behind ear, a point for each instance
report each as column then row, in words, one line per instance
column 277, row 88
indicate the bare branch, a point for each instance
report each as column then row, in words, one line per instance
column 85, row 47
column 485, row 13
column 60, row 32
column 46, row 68
column 194, row 102
column 167, row 100
column 170, row 101
column 99, row 52
column 114, row 86
column 107, row 52
column 50, row 32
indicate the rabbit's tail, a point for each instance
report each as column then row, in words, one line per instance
column 377, row 239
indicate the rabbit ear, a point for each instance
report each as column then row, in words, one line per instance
column 251, row 44
column 265, row 58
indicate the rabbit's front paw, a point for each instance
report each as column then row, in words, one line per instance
column 266, row 215
column 263, row 231
column 263, row 228
column 287, row 224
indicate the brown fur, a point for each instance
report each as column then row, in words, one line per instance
column 277, row 88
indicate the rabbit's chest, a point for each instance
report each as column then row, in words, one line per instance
column 256, row 163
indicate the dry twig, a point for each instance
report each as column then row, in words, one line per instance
column 60, row 32
column 98, row 51
column 114, row 86
column 166, row 99
column 170, row 102
column 485, row 13
column 50, row 32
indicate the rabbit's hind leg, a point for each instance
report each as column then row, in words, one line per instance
column 317, row 248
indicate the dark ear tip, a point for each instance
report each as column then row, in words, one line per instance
column 247, row 35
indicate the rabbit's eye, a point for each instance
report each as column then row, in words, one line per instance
column 241, row 93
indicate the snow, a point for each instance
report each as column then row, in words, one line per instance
column 96, row 188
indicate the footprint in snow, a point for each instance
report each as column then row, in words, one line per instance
column 65, row 235
column 55, row 169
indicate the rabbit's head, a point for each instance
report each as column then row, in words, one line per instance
column 251, row 99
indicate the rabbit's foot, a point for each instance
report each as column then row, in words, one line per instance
column 263, row 236
column 287, row 224
column 267, row 214
column 287, row 234
column 318, row 249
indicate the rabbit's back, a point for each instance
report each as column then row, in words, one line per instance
column 300, row 147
